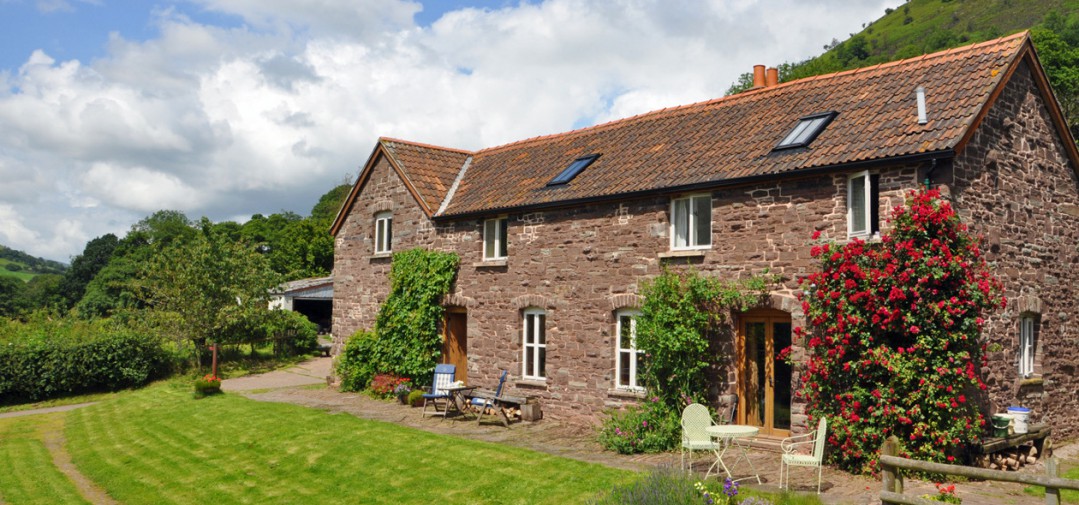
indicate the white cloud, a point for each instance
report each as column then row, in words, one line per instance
column 267, row 116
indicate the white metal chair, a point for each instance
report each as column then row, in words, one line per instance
column 791, row 457
column 695, row 418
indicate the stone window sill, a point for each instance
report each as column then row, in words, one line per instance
column 1031, row 382
column 532, row 383
column 490, row 263
column 636, row 394
column 683, row 253
column 382, row 256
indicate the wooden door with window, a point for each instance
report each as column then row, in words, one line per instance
column 455, row 342
column 764, row 383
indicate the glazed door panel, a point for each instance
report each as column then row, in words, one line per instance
column 765, row 383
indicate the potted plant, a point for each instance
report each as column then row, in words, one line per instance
column 402, row 391
column 208, row 384
column 415, row 398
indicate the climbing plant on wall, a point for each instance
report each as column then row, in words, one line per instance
column 406, row 341
column 894, row 345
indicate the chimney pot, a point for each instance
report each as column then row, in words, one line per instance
column 771, row 77
column 758, row 76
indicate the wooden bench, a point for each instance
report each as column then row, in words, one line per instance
column 1037, row 433
column 528, row 406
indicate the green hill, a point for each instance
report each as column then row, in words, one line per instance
column 24, row 267
column 924, row 26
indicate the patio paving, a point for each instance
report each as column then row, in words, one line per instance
column 552, row 437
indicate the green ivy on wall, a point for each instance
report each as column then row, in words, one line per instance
column 406, row 341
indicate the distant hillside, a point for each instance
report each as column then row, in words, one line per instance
column 19, row 264
column 924, row 26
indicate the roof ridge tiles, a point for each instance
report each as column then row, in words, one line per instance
column 425, row 145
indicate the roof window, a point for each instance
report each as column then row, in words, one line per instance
column 806, row 130
column 573, row 169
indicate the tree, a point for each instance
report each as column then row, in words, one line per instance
column 894, row 339
column 330, row 203
column 85, row 266
column 43, row 292
column 208, row 288
column 11, row 296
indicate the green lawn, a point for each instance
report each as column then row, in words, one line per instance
column 27, row 473
column 159, row 445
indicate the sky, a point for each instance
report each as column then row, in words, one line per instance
column 112, row 110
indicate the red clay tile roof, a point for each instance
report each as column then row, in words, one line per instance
column 733, row 137
column 430, row 169
column 725, row 140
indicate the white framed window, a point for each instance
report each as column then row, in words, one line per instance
column 495, row 232
column 1028, row 344
column 863, row 200
column 383, row 232
column 627, row 358
column 691, row 222
column 534, row 348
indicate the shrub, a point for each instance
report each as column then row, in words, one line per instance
column 663, row 485
column 415, row 396
column 358, row 362
column 895, row 347
column 385, row 385
column 46, row 359
column 650, row 427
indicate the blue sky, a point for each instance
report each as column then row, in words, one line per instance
column 110, row 111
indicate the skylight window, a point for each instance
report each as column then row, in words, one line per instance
column 806, row 130
column 573, row 169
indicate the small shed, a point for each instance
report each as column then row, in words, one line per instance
column 311, row 297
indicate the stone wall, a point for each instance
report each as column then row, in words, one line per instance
column 581, row 265
column 1014, row 185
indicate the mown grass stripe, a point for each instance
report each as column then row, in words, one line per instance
column 169, row 448
column 27, row 473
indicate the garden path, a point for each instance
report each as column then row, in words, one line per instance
column 552, row 437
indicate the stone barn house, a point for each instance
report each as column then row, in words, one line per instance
column 557, row 233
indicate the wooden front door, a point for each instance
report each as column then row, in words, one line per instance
column 455, row 343
column 764, row 383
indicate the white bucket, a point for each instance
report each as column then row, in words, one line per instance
column 1019, row 418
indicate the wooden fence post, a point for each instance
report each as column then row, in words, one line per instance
column 1052, row 494
column 888, row 472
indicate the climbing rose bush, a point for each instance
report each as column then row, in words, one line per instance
column 894, row 344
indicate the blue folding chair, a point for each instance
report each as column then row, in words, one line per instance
column 481, row 402
column 443, row 379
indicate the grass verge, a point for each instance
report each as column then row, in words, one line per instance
column 159, row 445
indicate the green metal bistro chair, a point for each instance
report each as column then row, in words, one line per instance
column 791, row 457
column 695, row 419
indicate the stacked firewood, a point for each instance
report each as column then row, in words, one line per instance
column 513, row 413
column 1009, row 459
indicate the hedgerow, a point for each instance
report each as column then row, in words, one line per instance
column 44, row 360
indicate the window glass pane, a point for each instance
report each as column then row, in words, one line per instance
column 379, row 234
column 640, row 366
column 681, row 223
column 541, row 329
column 623, row 368
column 541, row 361
column 529, row 361
column 503, row 234
column 702, row 213
column 624, row 328
column 857, row 204
column 489, row 228
column 801, row 127
column 781, row 418
column 812, row 127
column 389, row 234
column 530, row 328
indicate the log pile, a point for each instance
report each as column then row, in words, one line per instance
column 1012, row 458
column 513, row 413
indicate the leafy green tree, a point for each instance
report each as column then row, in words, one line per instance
column 11, row 297
column 207, row 288
column 43, row 292
column 85, row 266
column 1058, row 49
column 329, row 204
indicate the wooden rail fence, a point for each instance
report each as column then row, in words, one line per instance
column 892, row 479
